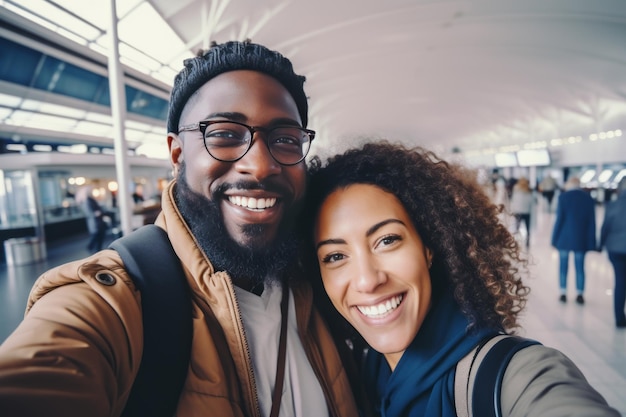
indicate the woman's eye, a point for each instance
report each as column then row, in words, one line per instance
column 332, row 257
column 389, row 240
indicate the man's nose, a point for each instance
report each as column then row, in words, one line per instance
column 258, row 161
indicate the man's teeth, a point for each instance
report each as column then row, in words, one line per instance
column 381, row 309
column 252, row 203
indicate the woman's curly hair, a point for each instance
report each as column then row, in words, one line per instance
column 474, row 254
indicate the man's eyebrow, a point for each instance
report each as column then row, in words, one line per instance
column 369, row 232
column 240, row 117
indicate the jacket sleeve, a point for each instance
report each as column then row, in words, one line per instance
column 78, row 348
column 606, row 226
column 558, row 223
column 591, row 231
column 541, row 381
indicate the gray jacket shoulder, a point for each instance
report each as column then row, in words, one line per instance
column 542, row 381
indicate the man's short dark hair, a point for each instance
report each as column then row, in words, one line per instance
column 232, row 56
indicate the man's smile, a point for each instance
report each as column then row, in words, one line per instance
column 252, row 203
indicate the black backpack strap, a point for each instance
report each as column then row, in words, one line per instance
column 151, row 262
column 490, row 375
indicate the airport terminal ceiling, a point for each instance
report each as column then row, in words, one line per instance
column 455, row 76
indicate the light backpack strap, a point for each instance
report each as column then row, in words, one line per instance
column 156, row 271
column 483, row 368
column 461, row 384
column 465, row 375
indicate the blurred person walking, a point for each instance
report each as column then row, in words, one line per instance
column 574, row 231
column 548, row 187
column 94, row 213
column 522, row 201
column 613, row 238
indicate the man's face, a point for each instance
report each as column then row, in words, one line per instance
column 255, row 99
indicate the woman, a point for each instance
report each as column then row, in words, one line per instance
column 412, row 254
column 613, row 238
column 522, row 201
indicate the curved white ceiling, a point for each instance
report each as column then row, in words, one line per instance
column 444, row 74
column 466, row 74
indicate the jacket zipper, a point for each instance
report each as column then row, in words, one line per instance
column 242, row 333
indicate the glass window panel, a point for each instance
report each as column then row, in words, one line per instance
column 145, row 104
column 48, row 73
column 75, row 82
column 103, row 96
column 17, row 63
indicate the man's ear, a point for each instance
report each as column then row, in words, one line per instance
column 175, row 146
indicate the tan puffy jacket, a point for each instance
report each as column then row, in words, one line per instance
column 79, row 347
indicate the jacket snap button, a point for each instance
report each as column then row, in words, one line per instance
column 105, row 279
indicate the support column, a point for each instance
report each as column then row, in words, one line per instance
column 118, row 113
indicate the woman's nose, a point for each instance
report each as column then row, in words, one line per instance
column 369, row 276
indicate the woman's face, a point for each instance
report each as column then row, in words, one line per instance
column 374, row 266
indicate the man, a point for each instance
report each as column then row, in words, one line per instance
column 94, row 215
column 613, row 239
column 237, row 142
column 574, row 231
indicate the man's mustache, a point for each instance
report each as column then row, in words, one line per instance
column 268, row 186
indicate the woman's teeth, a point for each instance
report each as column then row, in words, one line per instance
column 252, row 203
column 381, row 309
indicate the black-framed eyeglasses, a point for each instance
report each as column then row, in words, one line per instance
column 229, row 141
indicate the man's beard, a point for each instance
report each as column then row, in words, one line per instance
column 247, row 265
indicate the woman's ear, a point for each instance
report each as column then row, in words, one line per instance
column 429, row 257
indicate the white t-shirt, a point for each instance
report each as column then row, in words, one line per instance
column 302, row 393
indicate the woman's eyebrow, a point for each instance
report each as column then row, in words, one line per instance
column 329, row 242
column 378, row 225
column 369, row 232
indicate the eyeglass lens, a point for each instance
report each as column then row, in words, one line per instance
column 229, row 141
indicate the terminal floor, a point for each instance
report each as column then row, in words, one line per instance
column 586, row 333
